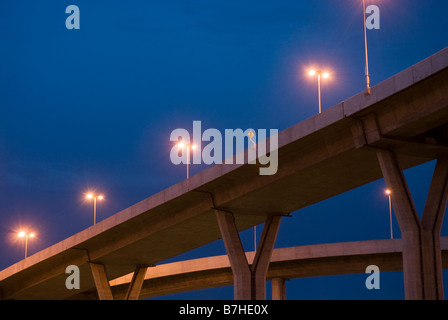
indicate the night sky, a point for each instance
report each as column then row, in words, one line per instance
column 93, row 109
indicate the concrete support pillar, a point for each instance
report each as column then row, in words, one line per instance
column 242, row 280
column 101, row 281
column 432, row 220
column 263, row 255
column 422, row 268
column 278, row 288
column 249, row 281
column 136, row 283
column 103, row 287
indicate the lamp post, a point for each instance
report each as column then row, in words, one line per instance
column 26, row 235
column 320, row 75
column 94, row 197
column 187, row 146
column 388, row 192
column 365, row 47
column 255, row 238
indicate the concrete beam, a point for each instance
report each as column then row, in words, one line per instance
column 288, row 263
column 135, row 286
column 101, row 281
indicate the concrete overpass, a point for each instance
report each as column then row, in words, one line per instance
column 401, row 124
column 286, row 263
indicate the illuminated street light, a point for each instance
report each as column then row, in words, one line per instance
column 26, row 235
column 94, row 197
column 182, row 145
column 320, row 74
column 389, row 193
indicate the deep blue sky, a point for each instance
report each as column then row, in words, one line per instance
column 94, row 108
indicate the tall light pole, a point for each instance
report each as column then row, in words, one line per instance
column 389, row 193
column 94, row 197
column 320, row 75
column 26, row 235
column 255, row 238
column 365, row 47
column 182, row 145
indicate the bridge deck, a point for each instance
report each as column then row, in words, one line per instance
column 286, row 263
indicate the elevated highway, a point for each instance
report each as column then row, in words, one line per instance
column 401, row 124
column 286, row 263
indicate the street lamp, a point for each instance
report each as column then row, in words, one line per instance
column 26, row 235
column 389, row 193
column 320, row 74
column 94, row 197
column 365, row 46
column 255, row 238
column 182, row 145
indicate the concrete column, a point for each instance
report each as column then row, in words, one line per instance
column 432, row 220
column 101, row 281
column 136, row 283
column 263, row 255
column 278, row 289
column 420, row 239
column 240, row 268
column 249, row 281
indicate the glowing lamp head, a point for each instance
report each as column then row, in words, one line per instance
column 325, row 75
column 101, row 197
column 312, row 72
column 23, row 234
column 388, row 192
column 193, row 147
column 89, row 196
column 181, row 145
